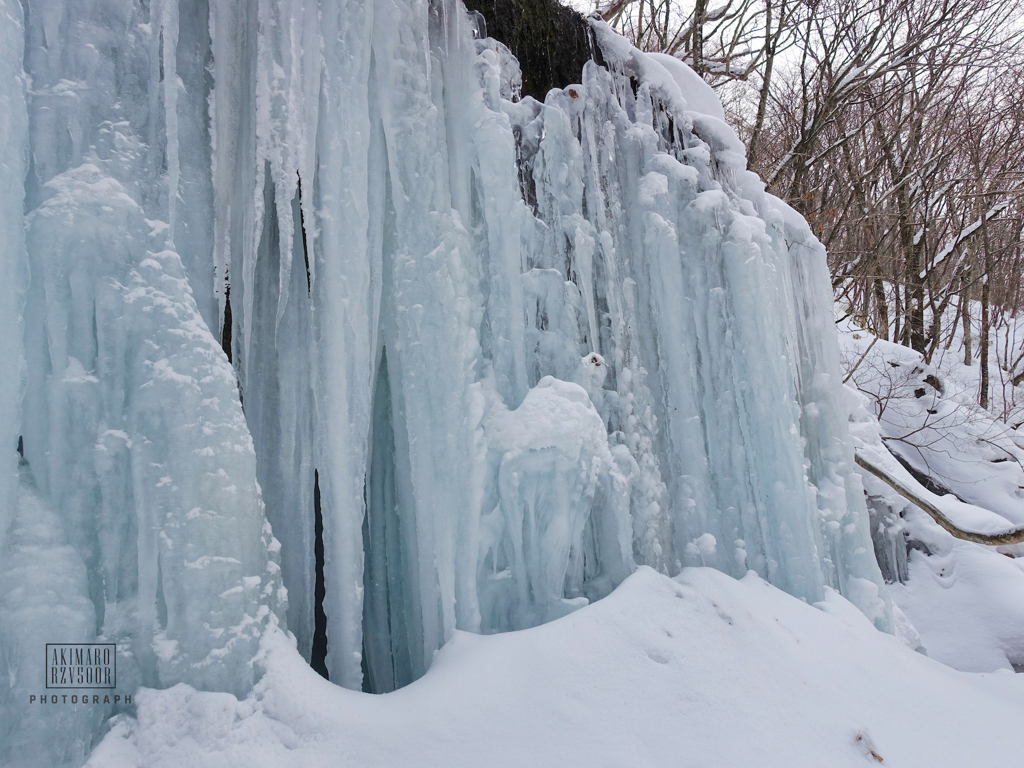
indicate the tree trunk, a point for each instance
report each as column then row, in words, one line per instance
column 986, row 319
column 881, row 310
column 700, row 14
column 965, row 301
column 766, row 81
column 983, row 341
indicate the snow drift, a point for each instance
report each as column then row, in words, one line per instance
column 514, row 349
column 702, row 670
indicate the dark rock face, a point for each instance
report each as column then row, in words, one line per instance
column 552, row 42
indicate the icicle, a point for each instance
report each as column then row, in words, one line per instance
column 168, row 23
column 346, row 301
column 13, row 274
column 236, row 174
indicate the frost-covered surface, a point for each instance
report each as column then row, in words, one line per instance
column 519, row 348
column 42, row 596
column 133, row 430
column 702, row 670
column 964, row 601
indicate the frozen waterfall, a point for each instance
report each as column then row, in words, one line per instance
column 254, row 252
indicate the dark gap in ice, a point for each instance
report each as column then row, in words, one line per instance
column 366, row 651
column 524, row 170
column 318, row 659
column 551, row 42
column 570, row 267
column 225, row 335
column 160, row 53
column 302, row 229
column 387, row 652
column 161, row 601
column 21, row 446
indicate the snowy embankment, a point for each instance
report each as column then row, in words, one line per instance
column 702, row 670
column 965, row 600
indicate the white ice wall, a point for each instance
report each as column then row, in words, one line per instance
column 461, row 247
column 523, row 346
column 13, row 278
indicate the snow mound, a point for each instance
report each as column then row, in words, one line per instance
column 700, row 97
column 699, row 670
column 965, row 600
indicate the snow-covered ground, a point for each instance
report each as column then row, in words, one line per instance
column 701, row 670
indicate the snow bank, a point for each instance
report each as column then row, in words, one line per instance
column 700, row 670
column 965, row 600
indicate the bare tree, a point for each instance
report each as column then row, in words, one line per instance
column 895, row 128
column 721, row 43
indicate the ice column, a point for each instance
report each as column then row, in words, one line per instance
column 13, row 272
column 134, row 432
column 132, row 428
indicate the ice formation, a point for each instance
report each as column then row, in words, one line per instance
column 518, row 348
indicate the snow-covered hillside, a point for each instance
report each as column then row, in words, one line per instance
column 965, row 600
